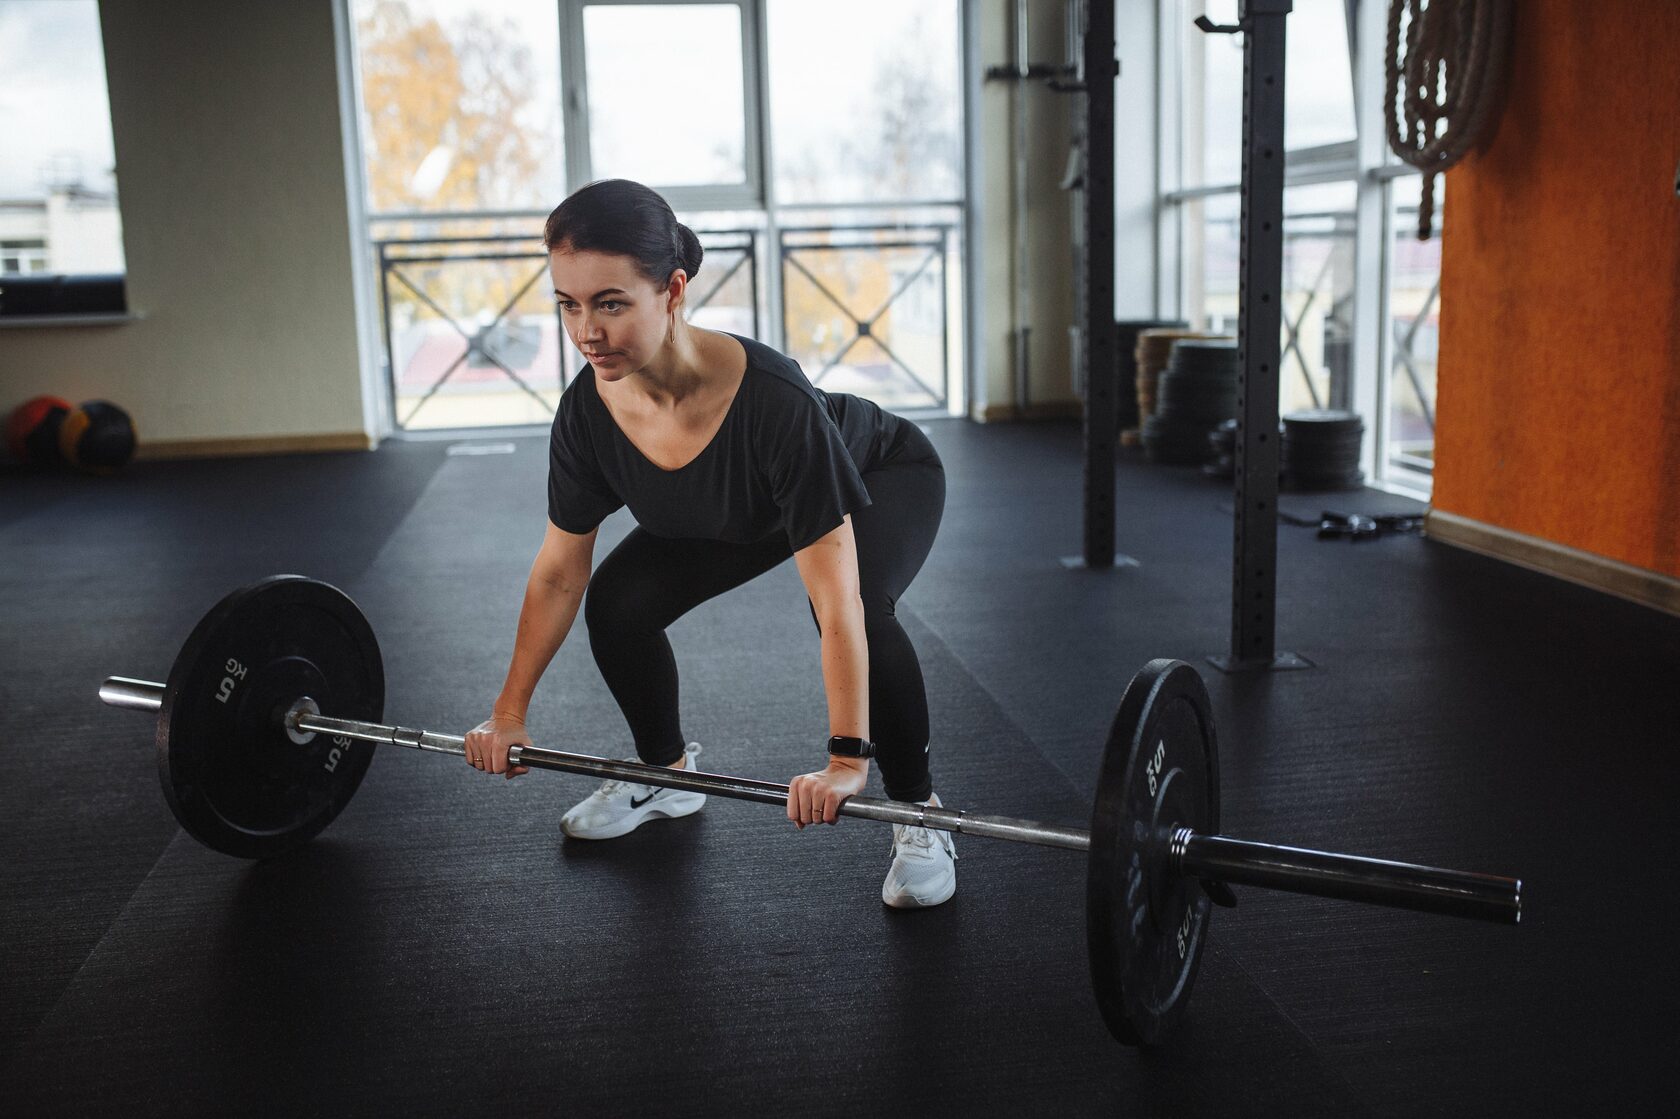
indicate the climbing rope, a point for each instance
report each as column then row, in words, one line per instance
column 1447, row 83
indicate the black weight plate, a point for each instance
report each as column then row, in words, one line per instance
column 1146, row 927
column 234, row 778
column 1338, row 484
column 1319, row 437
column 1331, row 417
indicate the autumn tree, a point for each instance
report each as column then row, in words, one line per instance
column 459, row 97
column 451, row 125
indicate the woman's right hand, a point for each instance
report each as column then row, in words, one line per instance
column 488, row 744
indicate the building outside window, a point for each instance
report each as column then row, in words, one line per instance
column 58, row 186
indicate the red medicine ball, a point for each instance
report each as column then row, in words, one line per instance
column 32, row 430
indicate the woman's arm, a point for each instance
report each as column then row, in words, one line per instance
column 552, row 596
column 829, row 570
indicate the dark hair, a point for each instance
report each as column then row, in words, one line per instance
column 626, row 218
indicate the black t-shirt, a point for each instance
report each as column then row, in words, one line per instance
column 788, row 458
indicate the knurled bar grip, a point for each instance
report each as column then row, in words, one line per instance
column 739, row 788
column 1220, row 858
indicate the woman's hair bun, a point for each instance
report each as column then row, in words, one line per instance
column 690, row 253
column 626, row 218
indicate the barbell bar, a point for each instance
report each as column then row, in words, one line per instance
column 252, row 766
column 146, row 695
column 1217, row 858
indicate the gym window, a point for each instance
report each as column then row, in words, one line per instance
column 1347, row 202
column 61, row 249
column 817, row 153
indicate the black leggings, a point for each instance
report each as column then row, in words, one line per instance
column 648, row 582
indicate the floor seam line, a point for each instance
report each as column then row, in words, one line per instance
column 1056, row 766
column 93, row 950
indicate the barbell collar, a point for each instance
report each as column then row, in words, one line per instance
column 1458, row 893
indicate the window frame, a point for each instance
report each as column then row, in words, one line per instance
column 574, row 108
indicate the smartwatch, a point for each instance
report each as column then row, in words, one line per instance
column 842, row 747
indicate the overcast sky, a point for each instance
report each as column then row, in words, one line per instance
column 52, row 103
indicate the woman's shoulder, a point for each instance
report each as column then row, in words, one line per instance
column 581, row 393
column 580, row 404
column 776, row 380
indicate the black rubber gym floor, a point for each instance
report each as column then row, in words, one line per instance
column 440, row 950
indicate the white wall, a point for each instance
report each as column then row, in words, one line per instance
column 1050, row 306
column 236, row 230
column 1049, row 309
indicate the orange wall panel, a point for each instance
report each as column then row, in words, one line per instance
column 1559, row 368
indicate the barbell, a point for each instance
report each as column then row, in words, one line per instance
column 269, row 719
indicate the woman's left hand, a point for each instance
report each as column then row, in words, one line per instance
column 815, row 798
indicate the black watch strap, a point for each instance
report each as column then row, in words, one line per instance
column 842, row 747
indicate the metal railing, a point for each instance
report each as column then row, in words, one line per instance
column 483, row 344
column 495, row 342
column 923, row 249
column 1405, row 337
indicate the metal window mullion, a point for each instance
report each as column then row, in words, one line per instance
column 944, row 399
column 1169, row 159
column 775, row 310
column 452, row 215
column 574, row 94
column 972, row 386
column 1371, row 329
column 390, row 332
column 752, row 104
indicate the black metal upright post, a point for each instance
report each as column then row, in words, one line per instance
column 1098, row 70
column 1263, row 24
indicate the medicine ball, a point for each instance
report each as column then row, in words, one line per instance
column 32, row 430
column 96, row 437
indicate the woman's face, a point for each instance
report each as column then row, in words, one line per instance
column 615, row 317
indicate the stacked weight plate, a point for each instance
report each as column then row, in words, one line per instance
column 1153, row 352
column 1222, row 451
column 1321, row 450
column 1195, row 394
column 1126, row 333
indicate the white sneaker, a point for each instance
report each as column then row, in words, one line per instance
column 619, row 807
column 924, row 867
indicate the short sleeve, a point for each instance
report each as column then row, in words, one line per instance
column 579, row 497
column 813, row 480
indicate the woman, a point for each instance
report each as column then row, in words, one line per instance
column 731, row 461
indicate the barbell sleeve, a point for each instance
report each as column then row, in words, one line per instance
column 1458, row 893
column 134, row 695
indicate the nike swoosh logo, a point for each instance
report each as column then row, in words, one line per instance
column 634, row 803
